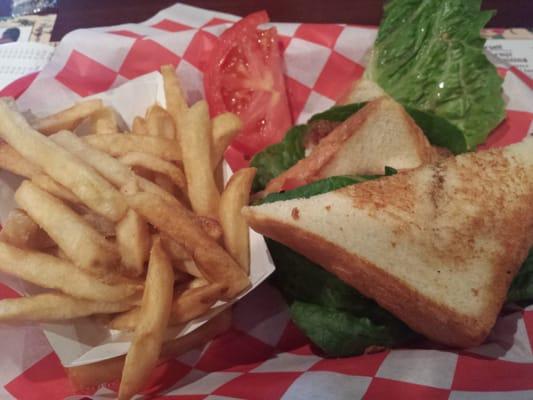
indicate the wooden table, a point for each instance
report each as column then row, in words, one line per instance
column 73, row 14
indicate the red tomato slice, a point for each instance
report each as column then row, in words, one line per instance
column 244, row 76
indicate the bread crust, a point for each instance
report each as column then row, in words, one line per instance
column 307, row 168
column 440, row 324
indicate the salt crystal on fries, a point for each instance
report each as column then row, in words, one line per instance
column 69, row 118
column 83, row 181
column 154, row 315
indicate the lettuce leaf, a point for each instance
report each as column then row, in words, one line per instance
column 521, row 289
column 332, row 314
column 439, row 131
column 340, row 334
column 279, row 157
column 429, row 56
column 317, row 187
column 337, row 113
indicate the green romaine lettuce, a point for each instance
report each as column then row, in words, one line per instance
column 341, row 334
column 334, row 316
column 439, row 131
column 521, row 289
column 428, row 55
column 317, row 187
column 337, row 113
column 279, row 157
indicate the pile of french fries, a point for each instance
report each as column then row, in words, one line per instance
column 134, row 225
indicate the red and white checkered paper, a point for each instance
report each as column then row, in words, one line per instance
column 264, row 356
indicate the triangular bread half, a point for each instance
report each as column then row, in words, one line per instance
column 437, row 246
column 363, row 90
column 380, row 134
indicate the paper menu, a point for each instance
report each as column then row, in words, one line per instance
column 515, row 52
column 19, row 59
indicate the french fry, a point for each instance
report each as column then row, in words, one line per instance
column 76, row 237
column 91, row 188
column 195, row 137
column 55, row 307
column 13, row 162
column 46, row 183
column 160, row 123
column 191, row 303
column 138, row 127
column 196, row 283
column 156, row 164
column 104, row 226
column 213, row 261
column 210, row 226
column 176, row 101
column 110, row 168
column 133, row 241
column 175, row 251
column 119, row 144
column 106, row 165
column 190, row 267
column 164, row 183
column 106, row 371
column 195, row 301
column 67, row 119
column 53, row 273
column 103, row 121
column 149, row 333
column 21, row 231
column 235, row 196
column 225, row 127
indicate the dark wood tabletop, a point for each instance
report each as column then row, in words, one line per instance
column 73, row 14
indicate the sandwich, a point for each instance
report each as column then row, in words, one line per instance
column 381, row 134
column 437, row 246
column 383, row 223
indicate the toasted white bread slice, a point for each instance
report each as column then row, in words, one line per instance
column 437, row 246
column 380, row 134
column 388, row 137
column 363, row 90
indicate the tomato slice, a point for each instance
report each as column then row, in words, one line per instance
column 245, row 76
